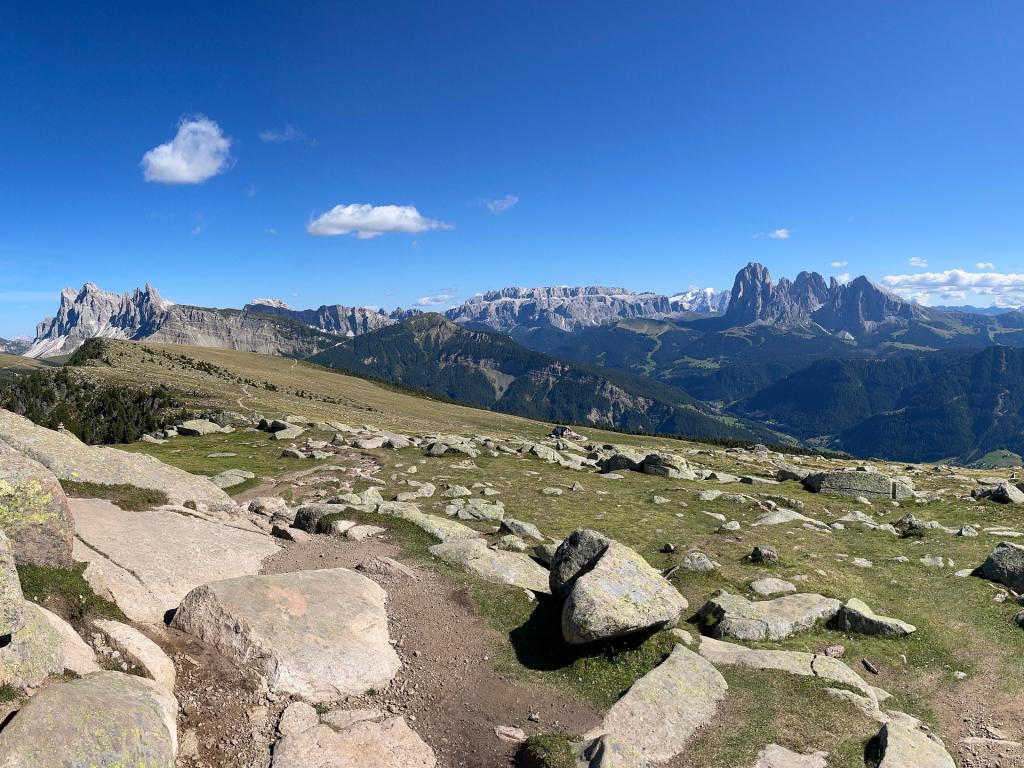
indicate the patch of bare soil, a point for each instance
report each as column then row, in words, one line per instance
column 983, row 726
column 447, row 688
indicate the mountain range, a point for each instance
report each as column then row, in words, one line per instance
column 849, row 366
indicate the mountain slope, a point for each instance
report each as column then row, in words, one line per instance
column 493, row 371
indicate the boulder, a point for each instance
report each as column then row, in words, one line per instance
column 232, row 477
column 147, row 561
column 1005, row 565
column 619, row 595
column 102, row 719
column 33, row 653
column 290, row 432
column 307, row 517
column 365, row 744
column 663, row 709
column 70, row 459
column 851, row 484
column 734, row 616
column 12, row 601
column 1004, row 492
column 904, row 745
column 575, row 555
column 194, row 427
column 79, row 657
column 498, row 566
column 856, row 616
column 771, row 586
column 34, row 512
column 139, row 650
column 321, row 635
column 521, row 529
column 440, row 528
column 629, row 460
column 385, row 566
column 667, row 465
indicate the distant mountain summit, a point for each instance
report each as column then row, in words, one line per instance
column 857, row 307
column 333, row 318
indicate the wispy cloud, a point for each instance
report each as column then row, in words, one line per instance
column 271, row 231
column 985, row 265
column 368, row 221
column 197, row 230
column 436, row 299
column 838, row 264
column 1006, row 289
column 287, row 134
column 198, row 151
column 843, row 277
column 502, row 204
column 250, row 191
column 917, row 261
column 775, row 234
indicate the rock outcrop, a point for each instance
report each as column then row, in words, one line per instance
column 735, row 616
column 34, row 511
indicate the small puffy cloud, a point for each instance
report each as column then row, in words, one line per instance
column 368, row 221
column 838, row 264
column 843, row 277
column 917, row 261
column 1006, row 289
column 985, row 265
column 287, row 134
column 779, row 234
column 197, row 152
column 436, row 299
column 502, row 204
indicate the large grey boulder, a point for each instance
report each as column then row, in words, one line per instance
column 33, row 653
column 1005, row 564
column 619, row 595
column 1004, row 492
column 663, row 709
column 856, row 616
column 103, row 719
column 575, row 555
column 147, row 561
column 667, row 465
column 307, row 517
column 198, row 427
column 493, row 565
column 71, row 459
column 34, row 511
column 734, row 616
column 321, row 635
column 12, row 601
column 904, row 745
column 851, row 484
column 623, row 459
column 364, row 744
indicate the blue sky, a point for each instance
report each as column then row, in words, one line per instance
column 653, row 145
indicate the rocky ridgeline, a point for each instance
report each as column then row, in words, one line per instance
column 314, row 638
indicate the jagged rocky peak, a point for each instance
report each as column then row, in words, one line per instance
column 569, row 308
column 330, row 318
column 857, row 307
column 276, row 303
column 701, row 301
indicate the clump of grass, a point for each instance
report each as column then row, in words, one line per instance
column 125, row 496
column 8, row 693
column 547, row 751
column 66, row 592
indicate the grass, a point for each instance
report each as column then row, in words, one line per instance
column 547, row 751
column 127, row 497
column 66, row 593
column 9, row 693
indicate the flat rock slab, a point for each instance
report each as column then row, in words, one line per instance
column 321, row 635
column 147, row 561
column 774, row 756
column 102, row 719
column 870, row 485
column 735, row 616
column 365, row 744
column 493, row 565
column 857, row 616
column 71, row 459
column 441, row 528
column 794, row 662
column 904, row 745
column 663, row 709
column 34, row 511
column 771, row 586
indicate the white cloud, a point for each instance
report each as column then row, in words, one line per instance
column 286, row 134
column 1006, row 289
column 367, row 221
column 843, row 278
column 250, row 191
column 197, row 230
column 502, row 204
column 985, row 265
column 434, row 300
column 271, row 231
column 917, row 261
column 198, row 152
column 838, row 264
column 779, row 234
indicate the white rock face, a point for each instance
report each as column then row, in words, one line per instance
column 321, row 635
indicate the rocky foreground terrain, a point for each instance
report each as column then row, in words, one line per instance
column 291, row 578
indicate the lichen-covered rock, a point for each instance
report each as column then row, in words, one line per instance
column 857, row 616
column 34, row 512
column 34, row 652
column 12, row 601
column 103, row 719
column 1005, row 564
column 905, row 746
column 195, row 427
column 498, row 566
column 321, row 635
column 667, row 465
column 574, row 556
column 365, row 744
column 663, row 709
column 734, row 616
column 79, row 657
column 621, row 594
